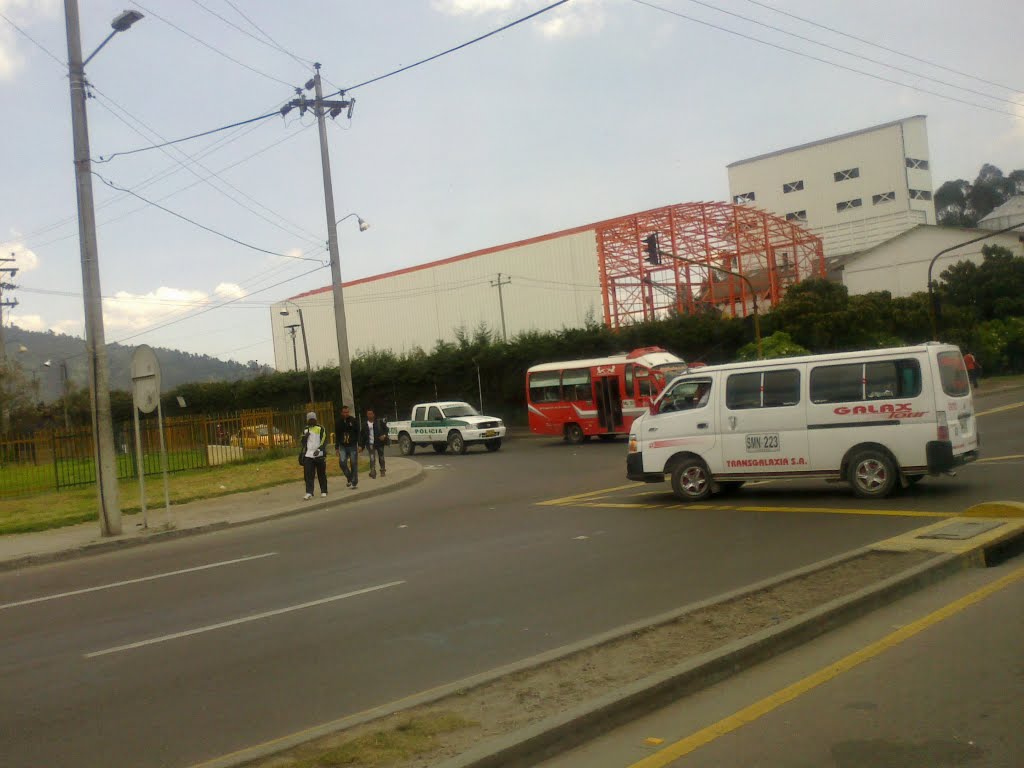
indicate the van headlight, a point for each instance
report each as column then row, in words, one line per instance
column 634, row 444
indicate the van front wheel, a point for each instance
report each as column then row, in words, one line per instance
column 872, row 474
column 691, row 480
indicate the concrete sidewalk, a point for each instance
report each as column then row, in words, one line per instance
column 17, row 550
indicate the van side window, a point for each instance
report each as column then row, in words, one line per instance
column 544, row 387
column 576, row 385
column 882, row 380
column 768, row 389
column 743, row 390
column 686, row 395
column 837, row 383
column 781, row 388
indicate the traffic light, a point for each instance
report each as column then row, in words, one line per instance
column 653, row 252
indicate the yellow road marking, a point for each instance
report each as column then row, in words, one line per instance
column 1000, row 458
column 843, row 511
column 761, row 708
column 1000, row 409
column 578, row 496
column 616, row 505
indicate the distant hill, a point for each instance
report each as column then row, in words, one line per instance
column 176, row 367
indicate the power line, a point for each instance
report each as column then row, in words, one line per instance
column 812, row 57
column 272, row 41
column 856, row 55
column 108, row 158
column 406, row 68
column 884, row 48
column 200, row 226
column 63, row 64
column 212, row 47
column 267, row 42
column 296, row 230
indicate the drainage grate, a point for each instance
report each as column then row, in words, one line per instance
column 964, row 529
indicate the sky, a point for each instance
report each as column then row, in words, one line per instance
column 595, row 109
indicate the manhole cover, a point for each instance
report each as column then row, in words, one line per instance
column 964, row 529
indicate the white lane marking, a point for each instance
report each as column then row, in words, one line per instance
column 134, row 581
column 244, row 620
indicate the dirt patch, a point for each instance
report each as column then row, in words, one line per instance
column 523, row 698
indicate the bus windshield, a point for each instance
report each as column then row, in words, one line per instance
column 454, row 411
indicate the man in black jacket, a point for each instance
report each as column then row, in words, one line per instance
column 346, row 439
column 373, row 436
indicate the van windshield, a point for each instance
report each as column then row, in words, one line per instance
column 953, row 374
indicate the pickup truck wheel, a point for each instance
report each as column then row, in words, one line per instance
column 440, row 447
column 456, row 443
column 493, row 445
column 574, row 434
column 406, row 445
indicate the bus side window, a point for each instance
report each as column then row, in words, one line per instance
column 629, row 380
column 544, row 387
column 646, row 386
column 576, row 385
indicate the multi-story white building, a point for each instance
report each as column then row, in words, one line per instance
column 854, row 190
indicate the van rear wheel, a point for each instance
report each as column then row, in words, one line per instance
column 872, row 474
column 691, row 480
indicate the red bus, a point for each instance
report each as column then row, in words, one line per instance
column 580, row 398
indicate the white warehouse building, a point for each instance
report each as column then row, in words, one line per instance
column 853, row 191
column 547, row 282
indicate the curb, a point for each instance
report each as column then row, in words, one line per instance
column 555, row 735
column 996, row 509
column 110, row 545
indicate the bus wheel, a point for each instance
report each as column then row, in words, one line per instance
column 691, row 480
column 872, row 474
column 440, row 447
column 406, row 445
column 574, row 434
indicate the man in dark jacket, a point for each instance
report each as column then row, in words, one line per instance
column 373, row 436
column 346, row 440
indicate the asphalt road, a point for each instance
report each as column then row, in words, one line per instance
column 464, row 571
column 933, row 680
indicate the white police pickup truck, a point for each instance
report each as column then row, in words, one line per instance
column 454, row 425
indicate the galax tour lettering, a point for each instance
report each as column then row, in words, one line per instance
column 889, row 410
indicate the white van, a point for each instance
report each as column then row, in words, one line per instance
column 876, row 419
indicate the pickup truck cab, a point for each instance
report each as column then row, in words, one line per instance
column 445, row 425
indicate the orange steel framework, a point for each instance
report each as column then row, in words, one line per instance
column 771, row 252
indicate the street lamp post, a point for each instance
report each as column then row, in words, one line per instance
column 305, row 348
column 99, row 379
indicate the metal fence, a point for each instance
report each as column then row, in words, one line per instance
column 50, row 460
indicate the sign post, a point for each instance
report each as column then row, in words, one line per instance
column 145, row 370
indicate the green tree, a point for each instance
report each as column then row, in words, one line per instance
column 991, row 290
column 779, row 344
column 960, row 203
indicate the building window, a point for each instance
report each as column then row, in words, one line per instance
column 921, row 165
column 792, row 186
column 920, row 194
column 746, row 197
column 848, row 204
column 796, row 216
column 885, row 197
column 849, row 173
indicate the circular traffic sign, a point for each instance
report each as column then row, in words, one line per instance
column 145, row 370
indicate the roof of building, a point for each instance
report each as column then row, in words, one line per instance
column 841, row 261
column 826, row 141
column 1012, row 207
column 474, row 254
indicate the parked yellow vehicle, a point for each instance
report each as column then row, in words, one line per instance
column 261, row 437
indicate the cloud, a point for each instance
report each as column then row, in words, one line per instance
column 134, row 311
column 229, row 291
column 28, row 322
column 23, row 13
column 576, row 19
column 24, row 259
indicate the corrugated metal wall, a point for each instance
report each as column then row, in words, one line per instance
column 554, row 284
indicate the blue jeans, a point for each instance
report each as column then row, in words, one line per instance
column 349, row 461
